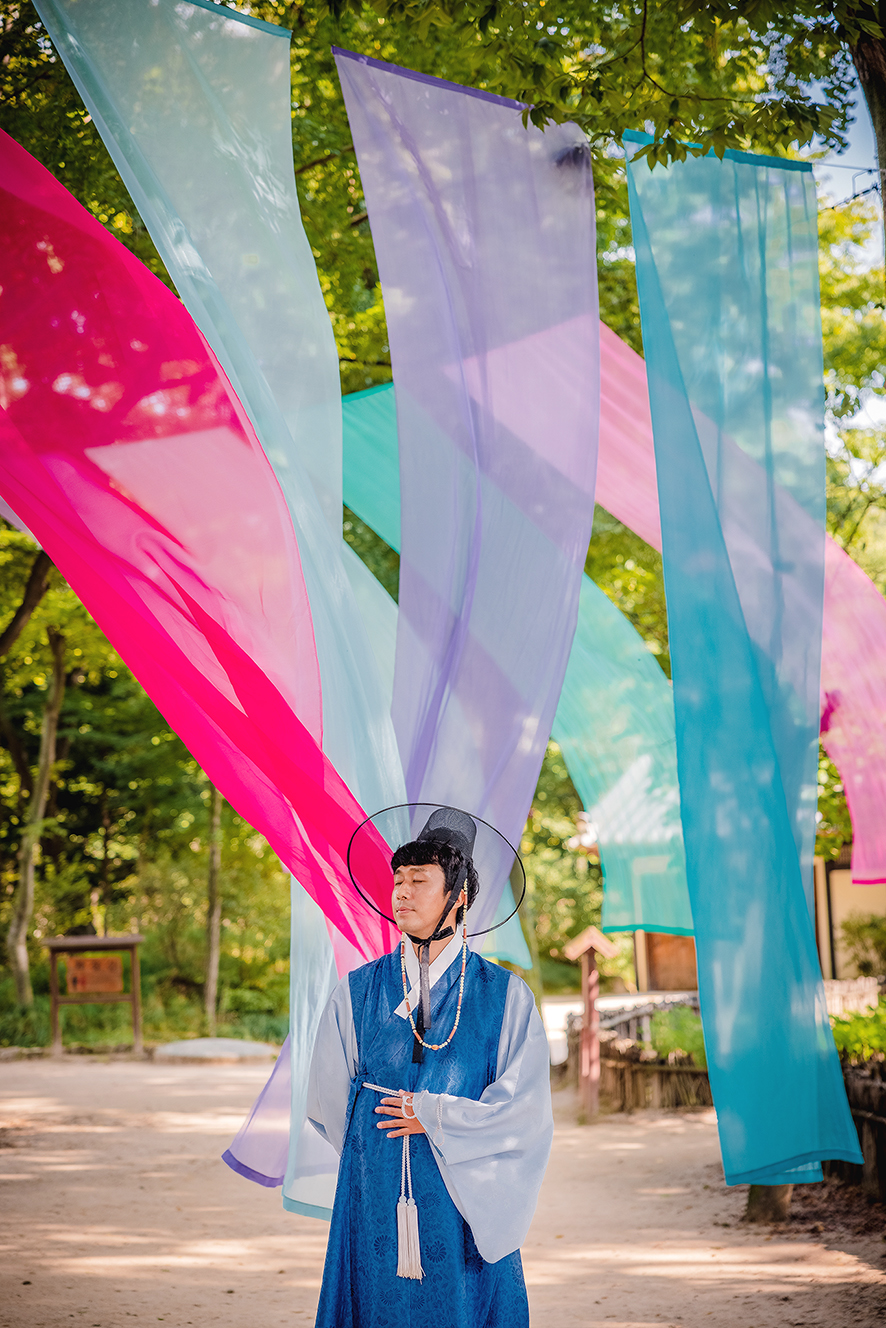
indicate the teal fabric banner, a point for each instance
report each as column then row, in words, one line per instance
column 615, row 728
column 615, row 719
column 727, row 272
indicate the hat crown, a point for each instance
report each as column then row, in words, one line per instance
column 450, row 826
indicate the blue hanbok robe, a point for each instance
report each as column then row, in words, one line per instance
column 484, row 1102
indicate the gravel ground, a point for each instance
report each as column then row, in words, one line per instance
column 115, row 1207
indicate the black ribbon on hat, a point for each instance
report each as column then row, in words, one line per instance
column 446, row 825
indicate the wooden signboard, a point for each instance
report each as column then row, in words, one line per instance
column 94, row 973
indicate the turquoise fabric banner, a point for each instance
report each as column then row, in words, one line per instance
column 727, row 272
column 615, row 719
column 615, row 728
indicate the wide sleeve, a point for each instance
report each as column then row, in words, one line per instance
column 333, row 1066
column 492, row 1152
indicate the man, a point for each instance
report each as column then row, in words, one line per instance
column 440, row 1051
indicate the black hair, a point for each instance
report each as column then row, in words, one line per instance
column 458, row 870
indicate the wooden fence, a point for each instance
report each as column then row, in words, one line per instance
column 866, row 1090
column 632, row 1077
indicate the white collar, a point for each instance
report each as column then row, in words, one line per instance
column 438, row 967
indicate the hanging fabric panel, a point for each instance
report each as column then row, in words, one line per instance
column 496, row 502
column 129, row 457
column 728, row 282
column 853, row 682
column 372, row 492
column 853, row 705
column 615, row 718
column 193, row 102
column 615, row 728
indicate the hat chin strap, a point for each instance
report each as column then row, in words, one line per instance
column 424, row 943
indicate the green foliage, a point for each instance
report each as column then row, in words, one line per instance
column 716, row 76
column 834, row 827
column 41, row 109
column 852, row 321
column 379, row 557
column 679, row 1030
column 860, row 1037
column 629, row 571
column 165, row 899
column 564, row 888
column 864, row 936
column 124, row 843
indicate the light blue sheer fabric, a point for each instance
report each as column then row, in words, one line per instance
column 728, row 281
column 614, row 721
column 193, row 103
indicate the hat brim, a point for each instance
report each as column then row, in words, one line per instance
column 394, row 825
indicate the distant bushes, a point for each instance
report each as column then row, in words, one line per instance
column 679, row 1030
column 861, row 1036
column 864, row 936
column 171, row 1010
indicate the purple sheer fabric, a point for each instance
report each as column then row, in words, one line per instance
column 260, row 1149
column 484, row 233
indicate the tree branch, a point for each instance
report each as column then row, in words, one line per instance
column 321, row 161
column 38, row 584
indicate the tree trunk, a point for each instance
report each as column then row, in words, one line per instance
column 213, row 913
column 23, row 903
column 36, row 588
column 769, row 1203
column 869, row 58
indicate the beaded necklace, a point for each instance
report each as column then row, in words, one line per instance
column 436, row 1046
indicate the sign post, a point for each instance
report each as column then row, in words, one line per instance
column 586, row 947
column 94, row 976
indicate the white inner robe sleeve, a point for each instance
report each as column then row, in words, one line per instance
column 492, row 1152
column 333, row 1066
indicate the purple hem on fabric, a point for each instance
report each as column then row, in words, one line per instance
column 271, row 1182
column 429, row 78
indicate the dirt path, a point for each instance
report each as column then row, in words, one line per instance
column 115, row 1207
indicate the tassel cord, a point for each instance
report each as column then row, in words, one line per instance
column 408, row 1245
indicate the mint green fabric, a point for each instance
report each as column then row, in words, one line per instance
column 193, row 102
column 615, row 720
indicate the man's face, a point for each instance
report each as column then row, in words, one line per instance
column 419, row 898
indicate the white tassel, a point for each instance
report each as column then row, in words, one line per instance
column 408, row 1247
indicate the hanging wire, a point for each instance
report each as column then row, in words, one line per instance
column 874, row 189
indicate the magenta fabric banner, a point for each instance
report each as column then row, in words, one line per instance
column 484, row 234
column 128, row 455
column 853, row 673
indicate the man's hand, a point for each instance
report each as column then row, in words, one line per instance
column 404, row 1120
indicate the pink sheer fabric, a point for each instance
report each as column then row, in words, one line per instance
column 853, row 675
column 126, row 452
